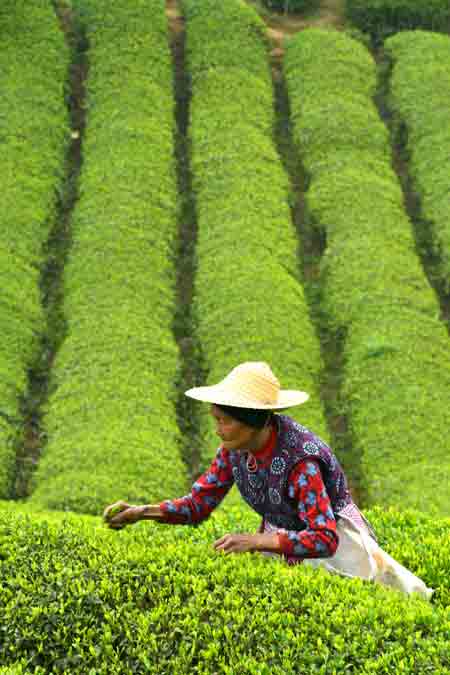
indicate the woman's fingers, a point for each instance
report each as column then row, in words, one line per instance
column 226, row 543
column 121, row 519
column 114, row 509
column 220, row 542
column 120, row 514
column 115, row 524
column 235, row 543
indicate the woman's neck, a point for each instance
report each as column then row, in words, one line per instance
column 260, row 440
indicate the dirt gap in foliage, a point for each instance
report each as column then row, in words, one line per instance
column 422, row 230
column 192, row 371
column 55, row 254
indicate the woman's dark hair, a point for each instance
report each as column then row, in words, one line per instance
column 252, row 418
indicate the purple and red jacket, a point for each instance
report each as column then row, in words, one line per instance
column 295, row 483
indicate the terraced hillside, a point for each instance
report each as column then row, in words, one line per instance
column 185, row 187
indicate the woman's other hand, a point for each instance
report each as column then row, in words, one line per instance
column 241, row 543
column 236, row 543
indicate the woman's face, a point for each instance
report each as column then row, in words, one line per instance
column 234, row 434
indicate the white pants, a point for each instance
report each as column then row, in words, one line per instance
column 359, row 555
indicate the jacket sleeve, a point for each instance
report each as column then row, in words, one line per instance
column 207, row 492
column 319, row 539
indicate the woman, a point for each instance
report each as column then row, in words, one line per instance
column 286, row 474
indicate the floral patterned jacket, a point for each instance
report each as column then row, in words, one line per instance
column 295, row 483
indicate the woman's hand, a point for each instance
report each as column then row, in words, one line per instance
column 236, row 543
column 242, row 543
column 120, row 514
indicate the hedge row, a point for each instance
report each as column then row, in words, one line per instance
column 78, row 598
column 375, row 295
column 33, row 135
column 111, row 417
column 384, row 17
column 249, row 303
column 420, row 98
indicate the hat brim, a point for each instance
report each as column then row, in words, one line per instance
column 286, row 398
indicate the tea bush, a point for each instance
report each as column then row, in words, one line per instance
column 33, row 137
column 17, row 669
column 20, row 668
column 111, row 418
column 375, row 297
column 77, row 598
column 249, row 302
column 420, row 100
column 384, row 17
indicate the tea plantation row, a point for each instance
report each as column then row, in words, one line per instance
column 420, row 97
column 111, row 419
column 33, row 137
column 249, row 302
column 375, row 296
column 149, row 600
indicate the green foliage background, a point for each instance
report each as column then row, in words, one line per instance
column 420, row 100
column 291, row 5
column 381, row 18
column 375, row 296
column 33, row 137
column 249, row 302
column 76, row 597
column 111, row 417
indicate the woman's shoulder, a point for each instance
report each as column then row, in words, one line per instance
column 295, row 436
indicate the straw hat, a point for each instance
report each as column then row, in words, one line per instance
column 249, row 385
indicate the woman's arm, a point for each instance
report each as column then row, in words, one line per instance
column 207, row 492
column 120, row 514
column 243, row 543
column 319, row 539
